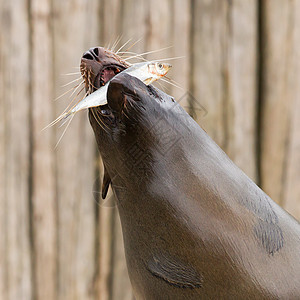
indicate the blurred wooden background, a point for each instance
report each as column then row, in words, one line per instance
column 59, row 240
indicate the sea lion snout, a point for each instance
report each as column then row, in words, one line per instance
column 98, row 65
column 91, row 54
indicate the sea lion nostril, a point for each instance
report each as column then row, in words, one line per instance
column 96, row 51
column 88, row 55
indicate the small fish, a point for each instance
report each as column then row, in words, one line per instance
column 147, row 72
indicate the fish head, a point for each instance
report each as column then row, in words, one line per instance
column 157, row 70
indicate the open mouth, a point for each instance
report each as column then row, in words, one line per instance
column 107, row 73
column 98, row 66
column 94, row 81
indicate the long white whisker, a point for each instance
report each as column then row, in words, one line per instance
column 65, row 113
column 149, row 52
column 116, row 42
column 69, row 107
column 153, row 51
column 67, row 91
column 80, row 78
column 60, row 117
column 170, row 58
column 73, row 73
column 162, row 86
column 138, row 57
column 171, row 83
column 109, row 42
column 134, row 43
column 76, row 89
column 123, row 46
column 171, row 80
column 64, row 132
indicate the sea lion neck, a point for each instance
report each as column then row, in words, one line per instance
column 194, row 225
column 141, row 126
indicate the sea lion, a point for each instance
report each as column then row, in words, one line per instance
column 194, row 225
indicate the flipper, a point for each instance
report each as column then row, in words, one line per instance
column 105, row 183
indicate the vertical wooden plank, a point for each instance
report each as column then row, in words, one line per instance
column 159, row 28
column 15, row 261
column 223, row 75
column 3, row 211
column 76, row 28
column 280, row 91
column 180, row 39
column 291, row 198
column 208, row 61
column 134, row 28
column 111, row 14
column 240, row 75
column 43, row 178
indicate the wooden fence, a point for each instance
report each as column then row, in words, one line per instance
column 242, row 66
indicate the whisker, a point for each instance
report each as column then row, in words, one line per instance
column 98, row 120
column 73, row 73
column 153, row 51
column 109, row 43
column 64, row 121
column 65, row 113
column 97, row 113
column 123, row 46
column 171, row 83
column 172, row 80
column 170, row 58
column 70, row 108
column 77, row 89
column 67, row 92
column 134, row 43
column 137, row 57
column 116, row 42
column 80, row 78
column 164, row 88
column 64, row 132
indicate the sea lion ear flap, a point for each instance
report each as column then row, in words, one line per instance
column 105, row 184
column 119, row 88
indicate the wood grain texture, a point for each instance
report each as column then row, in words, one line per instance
column 224, row 76
column 280, row 93
column 44, row 215
column 75, row 154
column 59, row 241
column 240, row 77
column 291, row 194
column 180, row 41
column 15, row 258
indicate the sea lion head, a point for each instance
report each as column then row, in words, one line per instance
column 98, row 65
column 132, row 127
